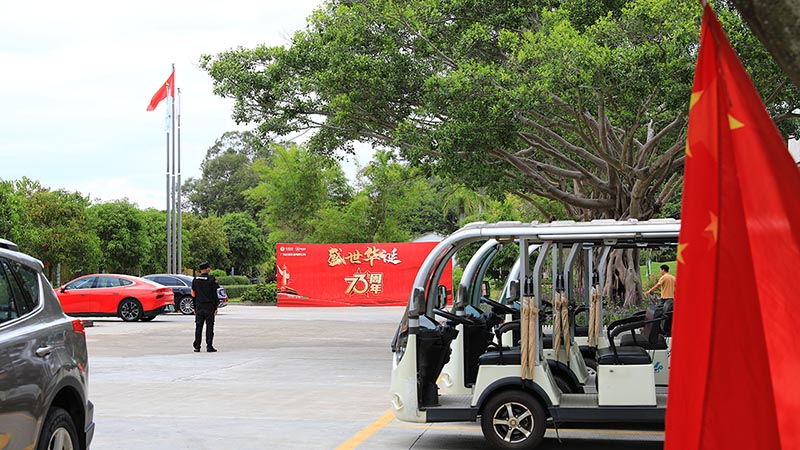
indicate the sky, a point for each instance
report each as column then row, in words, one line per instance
column 76, row 78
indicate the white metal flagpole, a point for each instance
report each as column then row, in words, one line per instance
column 179, row 209
column 169, row 190
column 173, row 265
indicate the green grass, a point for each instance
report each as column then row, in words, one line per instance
column 655, row 272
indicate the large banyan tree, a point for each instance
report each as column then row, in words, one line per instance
column 582, row 101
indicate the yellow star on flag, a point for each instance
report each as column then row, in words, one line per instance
column 713, row 226
column 695, row 97
column 681, row 248
column 734, row 124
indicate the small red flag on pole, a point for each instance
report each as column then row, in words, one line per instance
column 734, row 367
column 161, row 93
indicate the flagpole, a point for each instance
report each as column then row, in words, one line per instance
column 180, row 210
column 169, row 192
column 173, row 267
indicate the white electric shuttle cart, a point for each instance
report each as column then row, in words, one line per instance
column 514, row 393
column 488, row 318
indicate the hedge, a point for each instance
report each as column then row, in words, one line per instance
column 260, row 293
column 235, row 280
column 236, row 290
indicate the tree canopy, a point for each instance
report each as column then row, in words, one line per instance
column 226, row 174
column 246, row 240
column 123, row 237
column 579, row 101
column 53, row 226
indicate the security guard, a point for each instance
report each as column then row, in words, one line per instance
column 204, row 291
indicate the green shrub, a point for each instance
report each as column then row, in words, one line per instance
column 217, row 273
column 260, row 293
column 241, row 279
column 458, row 272
column 237, row 290
column 236, row 280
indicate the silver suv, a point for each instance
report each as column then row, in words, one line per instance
column 43, row 362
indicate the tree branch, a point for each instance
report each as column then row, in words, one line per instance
column 550, row 190
column 630, row 135
column 580, row 151
column 651, row 145
column 536, row 141
column 789, row 115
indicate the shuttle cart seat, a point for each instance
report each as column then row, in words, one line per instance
column 508, row 357
column 624, row 355
column 666, row 325
column 652, row 337
column 502, row 355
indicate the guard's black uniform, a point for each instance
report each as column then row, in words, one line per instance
column 205, row 307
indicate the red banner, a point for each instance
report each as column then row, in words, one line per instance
column 350, row 274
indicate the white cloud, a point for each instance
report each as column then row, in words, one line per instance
column 77, row 77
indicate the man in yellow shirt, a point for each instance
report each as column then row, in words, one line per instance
column 666, row 283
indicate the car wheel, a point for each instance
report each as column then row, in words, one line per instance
column 58, row 432
column 147, row 318
column 130, row 310
column 514, row 420
column 186, row 305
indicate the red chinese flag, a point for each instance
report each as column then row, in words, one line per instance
column 161, row 93
column 734, row 367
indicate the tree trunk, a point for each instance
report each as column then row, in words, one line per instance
column 622, row 278
column 776, row 24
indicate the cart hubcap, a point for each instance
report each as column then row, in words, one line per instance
column 513, row 422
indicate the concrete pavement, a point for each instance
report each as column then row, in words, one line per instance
column 311, row 378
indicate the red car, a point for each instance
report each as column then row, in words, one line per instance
column 128, row 297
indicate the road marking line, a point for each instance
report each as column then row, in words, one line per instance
column 367, row 431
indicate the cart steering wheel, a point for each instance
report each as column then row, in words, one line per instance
column 504, row 308
column 454, row 318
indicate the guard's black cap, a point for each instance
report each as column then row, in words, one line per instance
column 204, row 265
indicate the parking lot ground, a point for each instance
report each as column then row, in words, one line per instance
column 284, row 378
column 467, row 436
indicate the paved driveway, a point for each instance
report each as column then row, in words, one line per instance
column 315, row 378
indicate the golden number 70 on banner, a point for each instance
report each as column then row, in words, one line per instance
column 364, row 282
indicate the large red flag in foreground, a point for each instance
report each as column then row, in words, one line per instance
column 161, row 93
column 735, row 365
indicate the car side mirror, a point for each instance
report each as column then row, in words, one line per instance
column 441, row 299
column 63, row 289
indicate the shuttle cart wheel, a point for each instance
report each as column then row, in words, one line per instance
column 591, row 366
column 514, row 420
